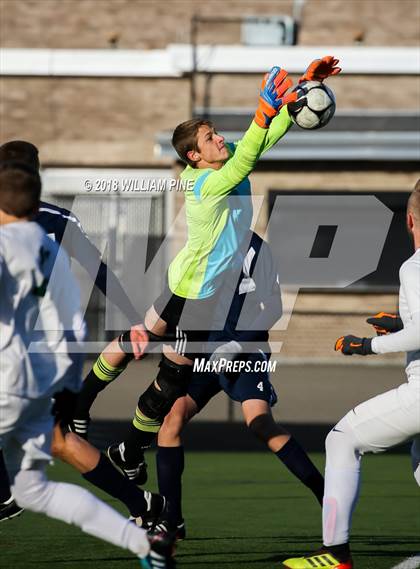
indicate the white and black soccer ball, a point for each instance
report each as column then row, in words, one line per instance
column 315, row 106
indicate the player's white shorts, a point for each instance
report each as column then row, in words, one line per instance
column 25, row 432
column 387, row 419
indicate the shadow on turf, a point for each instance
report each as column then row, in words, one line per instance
column 104, row 560
column 370, row 543
column 370, row 552
column 232, row 556
column 383, row 540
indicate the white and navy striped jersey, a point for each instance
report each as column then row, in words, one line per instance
column 407, row 339
column 39, row 314
column 251, row 304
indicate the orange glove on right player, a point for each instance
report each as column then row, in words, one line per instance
column 385, row 323
column 349, row 345
column 272, row 96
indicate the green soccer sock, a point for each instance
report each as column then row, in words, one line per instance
column 142, row 433
column 101, row 375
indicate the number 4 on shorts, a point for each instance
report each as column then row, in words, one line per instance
column 260, row 386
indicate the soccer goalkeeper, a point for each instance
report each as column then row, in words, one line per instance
column 219, row 214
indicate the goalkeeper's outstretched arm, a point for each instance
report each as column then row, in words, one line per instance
column 272, row 98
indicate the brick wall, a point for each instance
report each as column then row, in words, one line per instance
column 351, row 91
column 92, row 121
column 146, row 24
column 115, row 121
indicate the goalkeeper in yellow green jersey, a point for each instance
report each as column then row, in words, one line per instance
column 219, row 214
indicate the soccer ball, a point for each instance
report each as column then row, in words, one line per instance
column 315, row 106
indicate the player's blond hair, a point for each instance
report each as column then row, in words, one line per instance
column 413, row 205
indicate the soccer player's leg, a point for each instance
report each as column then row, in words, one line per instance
column 143, row 506
column 170, row 455
column 108, row 367
column 9, row 509
column 254, row 391
column 373, row 426
column 27, row 445
column 415, row 458
column 172, row 380
column 153, row 405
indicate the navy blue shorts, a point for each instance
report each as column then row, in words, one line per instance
column 251, row 384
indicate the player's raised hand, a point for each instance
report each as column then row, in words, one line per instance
column 273, row 96
column 385, row 323
column 349, row 345
column 320, row 69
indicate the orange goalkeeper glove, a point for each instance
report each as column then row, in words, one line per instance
column 385, row 323
column 272, row 96
column 349, row 345
column 320, row 69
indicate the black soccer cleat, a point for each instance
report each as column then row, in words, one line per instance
column 176, row 532
column 156, row 508
column 181, row 531
column 137, row 473
column 9, row 510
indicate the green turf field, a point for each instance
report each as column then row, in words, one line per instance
column 242, row 510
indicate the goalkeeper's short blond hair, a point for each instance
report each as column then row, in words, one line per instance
column 413, row 205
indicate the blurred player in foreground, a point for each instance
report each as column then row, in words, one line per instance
column 377, row 424
column 41, row 328
column 65, row 229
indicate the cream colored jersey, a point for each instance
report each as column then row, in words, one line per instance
column 39, row 314
column 407, row 339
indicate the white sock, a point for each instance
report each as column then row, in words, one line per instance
column 415, row 459
column 75, row 505
column 342, row 481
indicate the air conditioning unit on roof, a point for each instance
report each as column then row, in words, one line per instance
column 268, row 30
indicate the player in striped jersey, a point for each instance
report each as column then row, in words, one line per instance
column 255, row 306
column 377, row 424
